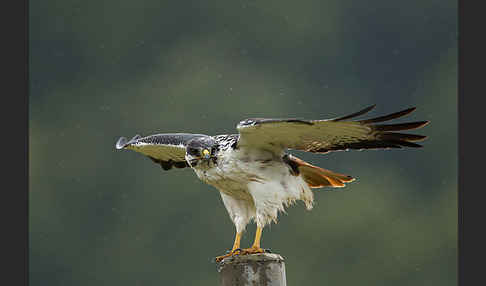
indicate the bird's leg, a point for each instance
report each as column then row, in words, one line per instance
column 236, row 244
column 255, row 248
column 235, row 250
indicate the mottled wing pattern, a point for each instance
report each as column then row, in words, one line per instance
column 322, row 136
column 226, row 141
column 168, row 149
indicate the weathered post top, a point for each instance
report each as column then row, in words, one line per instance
column 263, row 269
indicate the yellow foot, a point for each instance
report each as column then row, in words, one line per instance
column 231, row 253
column 252, row 250
column 246, row 251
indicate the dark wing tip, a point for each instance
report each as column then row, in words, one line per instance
column 400, row 126
column 402, row 136
column 121, row 143
column 361, row 112
column 389, row 116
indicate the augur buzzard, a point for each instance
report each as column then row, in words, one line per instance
column 253, row 171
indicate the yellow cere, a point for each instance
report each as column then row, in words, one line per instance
column 205, row 153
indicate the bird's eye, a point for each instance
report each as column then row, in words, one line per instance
column 193, row 151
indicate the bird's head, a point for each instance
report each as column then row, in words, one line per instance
column 200, row 149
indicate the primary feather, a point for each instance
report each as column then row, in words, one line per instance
column 322, row 136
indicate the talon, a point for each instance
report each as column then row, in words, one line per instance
column 229, row 253
column 252, row 250
column 213, row 260
column 220, row 258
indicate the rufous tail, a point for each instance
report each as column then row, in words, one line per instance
column 317, row 177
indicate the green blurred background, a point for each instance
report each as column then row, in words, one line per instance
column 104, row 69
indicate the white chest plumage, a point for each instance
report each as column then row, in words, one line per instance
column 231, row 173
column 256, row 181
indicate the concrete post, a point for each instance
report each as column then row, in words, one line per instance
column 263, row 269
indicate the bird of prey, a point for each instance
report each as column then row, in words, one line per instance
column 253, row 170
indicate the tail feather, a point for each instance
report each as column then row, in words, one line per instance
column 317, row 177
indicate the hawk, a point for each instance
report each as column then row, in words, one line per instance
column 254, row 172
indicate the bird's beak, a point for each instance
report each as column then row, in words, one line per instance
column 206, row 154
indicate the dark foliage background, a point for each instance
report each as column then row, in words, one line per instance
column 104, row 69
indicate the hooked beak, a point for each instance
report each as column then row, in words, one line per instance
column 206, row 154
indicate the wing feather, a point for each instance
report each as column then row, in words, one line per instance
column 322, row 136
column 361, row 112
column 167, row 149
column 389, row 116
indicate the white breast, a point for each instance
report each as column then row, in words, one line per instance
column 257, row 176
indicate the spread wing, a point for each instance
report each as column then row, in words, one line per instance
column 168, row 149
column 322, row 136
